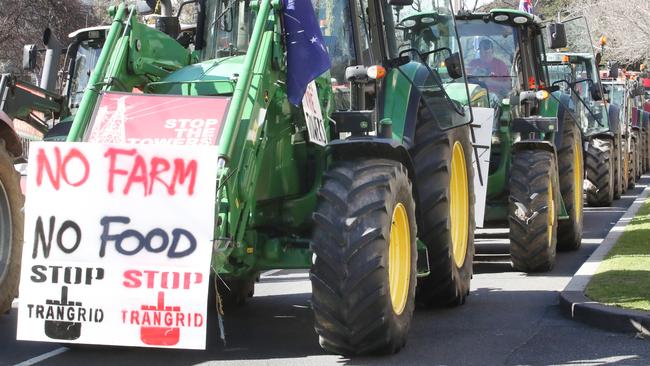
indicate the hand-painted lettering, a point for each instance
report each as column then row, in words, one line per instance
column 46, row 244
column 135, row 170
column 71, row 275
column 183, row 243
column 157, row 279
column 61, row 167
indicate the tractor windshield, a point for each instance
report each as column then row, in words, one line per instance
column 617, row 93
column 228, row 25
column 578, row 36
column 489, row 50
column 84, row 64
column 336, row 26
column 432, row 36
column 595, row 117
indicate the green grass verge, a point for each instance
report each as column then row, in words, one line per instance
column 623, row 278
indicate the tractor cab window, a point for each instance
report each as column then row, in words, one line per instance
column 617, row 94
column 491, row 55
column 432, row 39
column 228, row 25
column 426, row 31
column 336, row 25
column 84, row 64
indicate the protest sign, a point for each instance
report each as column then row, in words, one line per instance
column 118, row 242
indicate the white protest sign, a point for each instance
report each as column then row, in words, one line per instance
column 118, row 243
column 313, row 115
column 484, row 118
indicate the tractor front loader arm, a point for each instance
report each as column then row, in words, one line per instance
column 19, row 100
column 133, row 55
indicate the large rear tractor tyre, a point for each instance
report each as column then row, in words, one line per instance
column 533, row 210
column 637, row 155
column 445, row 183
column 364, row 272
column 646, row 155
column 569, row 232
column 600, row 173
column 617, row 170
column 11, row 229
column 625, row 166
column 631, row 182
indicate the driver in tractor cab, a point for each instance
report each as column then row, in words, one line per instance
column 487, row 65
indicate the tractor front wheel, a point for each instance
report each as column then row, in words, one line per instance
column 600, row 173
column 364, row 272
column 632, row 167
column 533, row 210
column 569, row 232
column 11, row 229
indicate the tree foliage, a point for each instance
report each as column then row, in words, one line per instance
column 23, row 22
column 625, row 25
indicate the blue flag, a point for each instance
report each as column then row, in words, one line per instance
column 307, row 56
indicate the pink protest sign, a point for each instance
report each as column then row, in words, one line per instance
column 158, row 119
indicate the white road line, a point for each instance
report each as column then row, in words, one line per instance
column 44, row 356
column 271, row 272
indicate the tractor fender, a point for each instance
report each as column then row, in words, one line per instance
column 564, row 109
column 534, row 145
column 613, row 114
column 400, row 99
column 371, row 147
column 605, row 135
column 374, row 147
column 9, row 135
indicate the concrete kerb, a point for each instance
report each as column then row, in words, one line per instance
column 579, row 307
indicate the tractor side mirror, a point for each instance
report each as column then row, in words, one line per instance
column 454, row 66
column 145, row 7
column 400, row 2
column 169, row 25
column 599, row 58
column 596, row 94
column 556, row 36
column 29, row 57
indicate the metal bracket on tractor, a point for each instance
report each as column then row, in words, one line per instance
column 534, row 124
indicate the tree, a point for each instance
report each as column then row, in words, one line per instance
column 23, row 22
column 626, row 26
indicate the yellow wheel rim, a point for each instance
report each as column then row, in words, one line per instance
column 551, row 212
column 399, row 259
column 577, row 181
column 459, row 204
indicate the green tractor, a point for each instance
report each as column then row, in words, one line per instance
column 637, row 119
column 599, row 119
column 535, row 177
column 600, row 128
column 617, row 91
column 375, row 196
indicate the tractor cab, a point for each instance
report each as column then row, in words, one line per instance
column 81, row 59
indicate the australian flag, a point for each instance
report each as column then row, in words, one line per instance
column 307, row 56
column 526, row 5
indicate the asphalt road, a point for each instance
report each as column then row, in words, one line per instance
column 510, row 319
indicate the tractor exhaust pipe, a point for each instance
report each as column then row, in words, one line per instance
column 166, row 9
column 53, row 50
